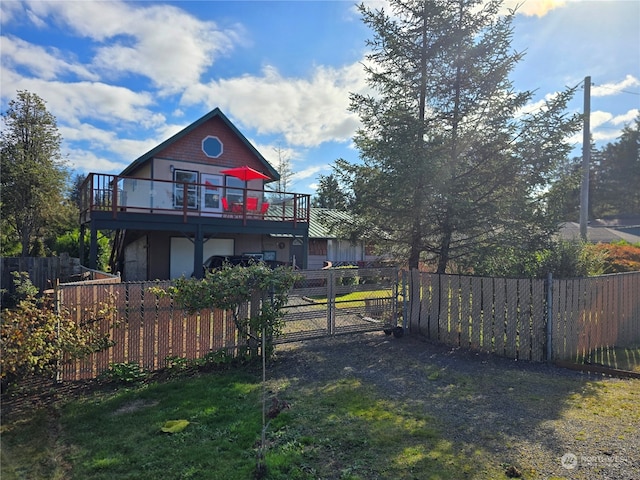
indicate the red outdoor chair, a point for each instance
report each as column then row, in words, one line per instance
column 264, row 208
column 252, row 204
column 225, row 204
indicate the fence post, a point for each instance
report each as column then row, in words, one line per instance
column 549, row 317
column 405, row 303
column 331, row 299
column 56, row 308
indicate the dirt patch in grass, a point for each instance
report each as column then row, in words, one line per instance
column 135, row 406
column 532, row 419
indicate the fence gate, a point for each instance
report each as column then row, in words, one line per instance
column 342, row 300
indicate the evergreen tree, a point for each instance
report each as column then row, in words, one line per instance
column 34, row 177
column 615, row 190
column 614, row 176
column 449, row 166
column 329, row 194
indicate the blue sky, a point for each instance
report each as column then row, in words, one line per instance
column 121, row 77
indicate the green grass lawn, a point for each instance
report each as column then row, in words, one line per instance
column 342, row 430
column 355, row 299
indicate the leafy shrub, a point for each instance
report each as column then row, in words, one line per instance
column 563, row 259
column 35, row 338
column 230, row 287
column 127, row 372
column 69, row 242
column 618, row 257
column 176, row 365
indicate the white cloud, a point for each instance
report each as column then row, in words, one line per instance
column 598, row 118
column 160, row 42
column 308, row 172
column 10, row 12
column 607, row 89
column 533, row 107
column 97, row 139
column 602, row 136
column 87, row 161
column 306, row 112
column 72, row 102
column 43, row 63
column 626, row 118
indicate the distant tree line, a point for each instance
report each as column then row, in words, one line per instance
column 614, row 179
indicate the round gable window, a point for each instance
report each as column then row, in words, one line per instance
column 212, row 147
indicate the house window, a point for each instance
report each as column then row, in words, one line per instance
column 180, row 177
column 234, row 190
column 212, row 146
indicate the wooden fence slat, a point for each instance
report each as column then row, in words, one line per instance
column 538, row 321
column 511, row 319
column 612, row 317
column 165, row 314
column 230, row 339
column 120, row 333
column 134, row 304
column 466, row 322
column 487, row 315
column 499, row 315
column 206, row 332
column 218, row 330
column 434, row 307
column 476, row 312
column 559, row 298
column 415, row 291
column 444, row 320
column 149, row 334
column 191, row 342
column 524, row 319
column 427, row 325
column 105, row 328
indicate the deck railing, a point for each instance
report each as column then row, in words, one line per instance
column 116, row 194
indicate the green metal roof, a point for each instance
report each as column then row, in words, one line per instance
column 185, row 131
column 318, row 227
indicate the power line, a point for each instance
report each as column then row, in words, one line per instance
column 614, row 89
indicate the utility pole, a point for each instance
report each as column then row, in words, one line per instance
column 586, row 160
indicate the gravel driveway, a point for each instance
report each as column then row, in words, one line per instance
column 546, row 421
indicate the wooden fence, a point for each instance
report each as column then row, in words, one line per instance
column 522, row 318
column 497, row 315
column 145, row 329
column 42, row 271
column 590, row 313
column 515, row 318
column 45, row 272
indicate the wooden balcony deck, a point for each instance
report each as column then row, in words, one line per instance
column 120, row 197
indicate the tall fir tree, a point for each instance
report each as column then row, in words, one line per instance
column 449, row 165
column 34, row 175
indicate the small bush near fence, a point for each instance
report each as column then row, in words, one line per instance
column 35, row 336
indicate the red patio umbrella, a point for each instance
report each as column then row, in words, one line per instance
column 245, row 173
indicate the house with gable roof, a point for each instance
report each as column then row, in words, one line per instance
column 197, row 194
